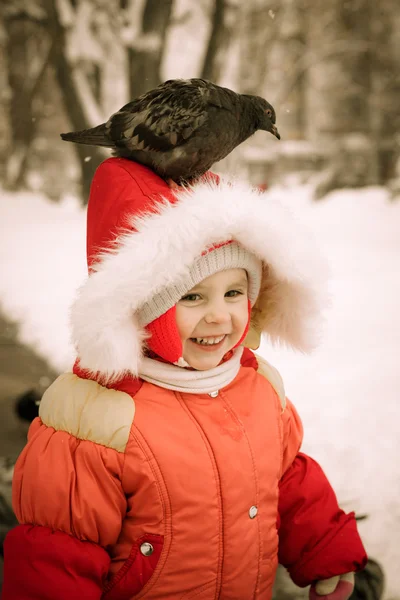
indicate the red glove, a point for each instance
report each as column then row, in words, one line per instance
column 339, row 587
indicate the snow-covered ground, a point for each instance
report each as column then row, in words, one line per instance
column 346, row 392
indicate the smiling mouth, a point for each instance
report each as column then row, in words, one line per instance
column 209, row 342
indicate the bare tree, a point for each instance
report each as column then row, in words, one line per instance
column 102, row 55
column 259, row 30
column 221, row 30
column 339, row 87
column 145, row 45
column 330, row 69
column 81, row 102
column 290, row 48
column 5, row 99
column 384, row 98
column 339, row 77
column 28, row 48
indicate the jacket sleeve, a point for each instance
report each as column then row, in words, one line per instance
column 68, row 499
column 317, row 540
column 40, row 563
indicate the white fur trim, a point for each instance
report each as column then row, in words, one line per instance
column 160, row 253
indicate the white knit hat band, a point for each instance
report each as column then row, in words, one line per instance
column 227, row 256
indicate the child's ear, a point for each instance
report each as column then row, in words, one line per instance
column 252, row 339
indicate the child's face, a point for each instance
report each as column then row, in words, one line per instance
column 215, row 310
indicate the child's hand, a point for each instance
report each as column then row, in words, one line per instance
column 339, row 587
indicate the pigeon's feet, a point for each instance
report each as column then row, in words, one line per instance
column 173, row 185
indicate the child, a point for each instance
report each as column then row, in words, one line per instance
column 167, row 465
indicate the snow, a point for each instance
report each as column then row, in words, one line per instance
column 189, row 31
column 346, row 392
column 42, row 263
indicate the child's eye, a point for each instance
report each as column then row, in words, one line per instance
column 191, row 297
column 234, row 293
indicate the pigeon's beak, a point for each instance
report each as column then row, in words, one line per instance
column 275, row 132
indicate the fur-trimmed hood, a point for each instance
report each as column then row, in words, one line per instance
column 148, row 240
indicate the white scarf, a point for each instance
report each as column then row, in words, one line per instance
column 178, row 379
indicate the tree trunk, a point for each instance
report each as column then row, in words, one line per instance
column 339, row 86
column 259, row 33
column 79, row 102
column 339, row 73
column 146, row 51
column 290, row 89
column 218, row 42
column 384, row 99
column 28, row 48
column 5, row 101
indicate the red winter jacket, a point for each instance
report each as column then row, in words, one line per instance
column 89, row 496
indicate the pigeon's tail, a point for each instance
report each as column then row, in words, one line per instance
column 97, row 136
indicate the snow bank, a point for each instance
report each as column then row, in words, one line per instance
column 42, row 263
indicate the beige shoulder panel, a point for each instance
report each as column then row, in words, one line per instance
column 88, row 411
column 269, row 372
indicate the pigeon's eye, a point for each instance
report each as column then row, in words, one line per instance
column 268, row 112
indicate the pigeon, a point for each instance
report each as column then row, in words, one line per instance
column 181, row 128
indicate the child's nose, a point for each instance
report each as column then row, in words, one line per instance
column 217, row 314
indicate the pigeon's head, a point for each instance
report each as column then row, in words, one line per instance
column 265, row 115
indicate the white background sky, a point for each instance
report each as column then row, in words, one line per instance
column 347, row 392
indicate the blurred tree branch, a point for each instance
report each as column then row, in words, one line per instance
column 259, row 32
column 28, row 49
column 146, row 44
column 217, row 41
column 330, row 69
column 82, row 108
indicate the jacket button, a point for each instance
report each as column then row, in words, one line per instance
column 253, row 510
column 146, row 549
column 214, row 394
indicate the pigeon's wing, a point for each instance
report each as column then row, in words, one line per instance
column 165, row 117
